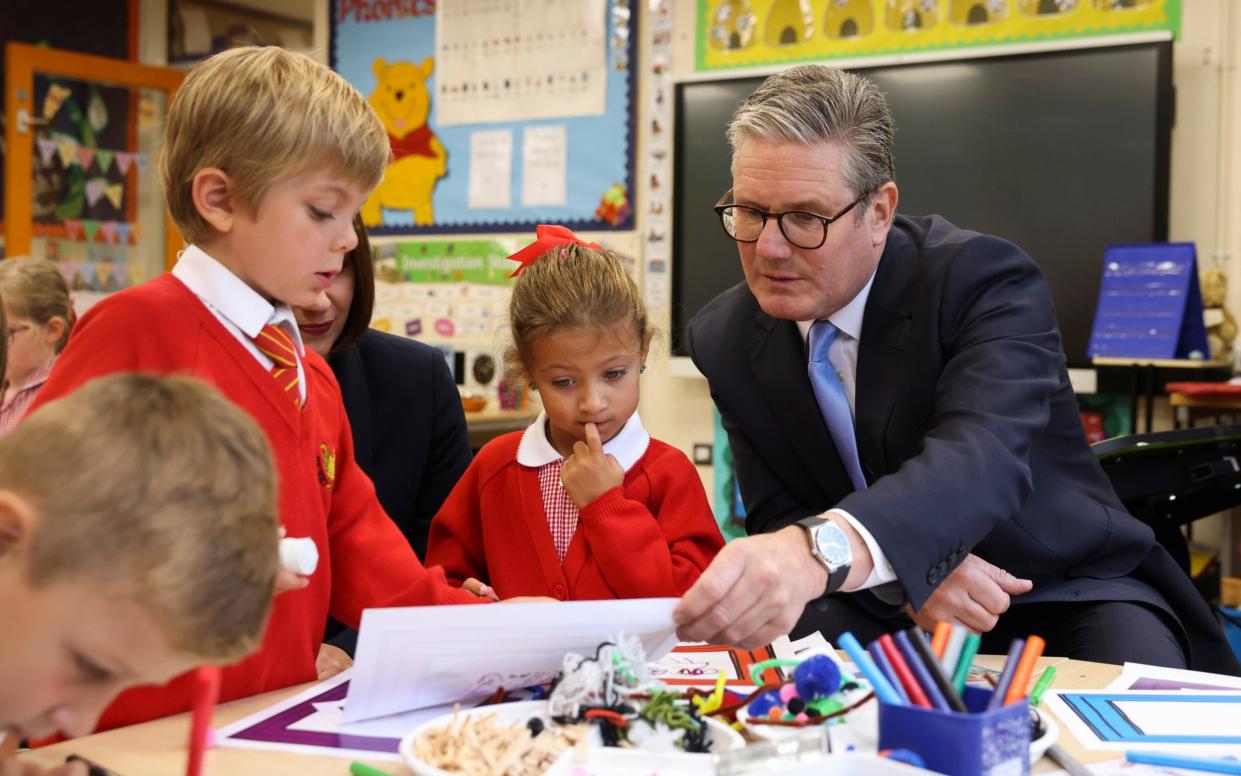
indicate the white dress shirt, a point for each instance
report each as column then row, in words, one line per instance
column 842, row 355
column 242, row 310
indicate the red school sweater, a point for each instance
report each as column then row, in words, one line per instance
column 648, row 538
column 365, row 561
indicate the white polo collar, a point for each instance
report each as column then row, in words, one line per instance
column 230, row 298
column 627, row 447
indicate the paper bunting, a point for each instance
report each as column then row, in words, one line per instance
column 120, row 273
column 113, row 193
column 86, row 275
column 135, row 274
column 56, row 95
column 67, row 149
column 86, row 155
column 108, row 230
column 68, row 269
column 94, row 190
column 104, row 157
column 123, row 160
column 74, row 228
column 90, row 226
column 142, row 161
column 47, row 147
column 122, row 231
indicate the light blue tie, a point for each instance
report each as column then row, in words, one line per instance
column 833, row 403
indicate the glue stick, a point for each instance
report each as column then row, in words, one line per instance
column 299, row 556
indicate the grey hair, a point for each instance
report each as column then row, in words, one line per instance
column 817, row 104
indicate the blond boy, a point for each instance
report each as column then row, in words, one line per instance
column 268, row 156
column 137, row 539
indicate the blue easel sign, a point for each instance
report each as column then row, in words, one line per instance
column 1150, row 305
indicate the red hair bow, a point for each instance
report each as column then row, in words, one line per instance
column 546, row 237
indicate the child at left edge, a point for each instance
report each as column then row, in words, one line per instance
column 267, row 157
column 583, row 504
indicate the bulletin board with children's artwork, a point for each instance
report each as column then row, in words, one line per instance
column 750, row 33
column 80, row 179
column 502, row 114
column 452, row 294
column 85, row 182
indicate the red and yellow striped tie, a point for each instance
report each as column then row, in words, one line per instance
column 275, row 343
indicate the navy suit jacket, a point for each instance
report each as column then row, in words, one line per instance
column 967, row 429
column 409, row 430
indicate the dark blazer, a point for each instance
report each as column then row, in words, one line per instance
column 409, row 430
column 967, row 429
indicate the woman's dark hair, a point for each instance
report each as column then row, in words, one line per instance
column 359, row 318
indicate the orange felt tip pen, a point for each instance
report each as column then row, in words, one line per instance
column 1025, row 669
column 939, row 640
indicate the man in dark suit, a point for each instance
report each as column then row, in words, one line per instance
column 899, row 410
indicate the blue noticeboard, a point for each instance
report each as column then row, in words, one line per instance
column 377, row 44
column 1150, row 305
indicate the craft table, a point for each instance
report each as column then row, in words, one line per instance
column 158, row 748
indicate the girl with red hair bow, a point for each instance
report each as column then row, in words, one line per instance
column 583, row 504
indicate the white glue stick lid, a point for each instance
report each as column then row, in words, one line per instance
column 299, row 556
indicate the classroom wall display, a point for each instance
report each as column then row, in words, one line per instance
column 452, row 294
column 443, row 291
column 657, row 284
column 502, row 114
column 108, row 28
column 86, row 180
column 748, row 33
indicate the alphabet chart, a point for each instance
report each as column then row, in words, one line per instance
column 512, row 60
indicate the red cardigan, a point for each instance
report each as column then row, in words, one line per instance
column 365, row 561
column 651, row 537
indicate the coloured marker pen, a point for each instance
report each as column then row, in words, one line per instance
column 965, row 662
column 1044, row 681
column 1006, row 675
column 883, row 691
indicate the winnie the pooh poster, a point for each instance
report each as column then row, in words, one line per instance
column 550, row 82
column 403, row 103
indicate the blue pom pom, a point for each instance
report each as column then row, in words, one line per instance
column 817, row 677
column 760, row 706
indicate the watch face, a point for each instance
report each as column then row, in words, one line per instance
column 833, row 544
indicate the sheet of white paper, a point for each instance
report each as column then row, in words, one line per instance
column 1174, row 718
column 414, row 657
column 1163, row 719
column 543, row 165
column 1143, row 677
column 491, row 168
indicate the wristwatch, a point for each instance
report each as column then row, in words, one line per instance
column 831, row 547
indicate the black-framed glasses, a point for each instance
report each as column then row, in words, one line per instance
column 802, row 228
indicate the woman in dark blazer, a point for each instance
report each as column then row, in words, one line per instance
column 409, row 430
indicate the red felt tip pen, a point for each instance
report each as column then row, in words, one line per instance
column 916, row 694
column 206, row 693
